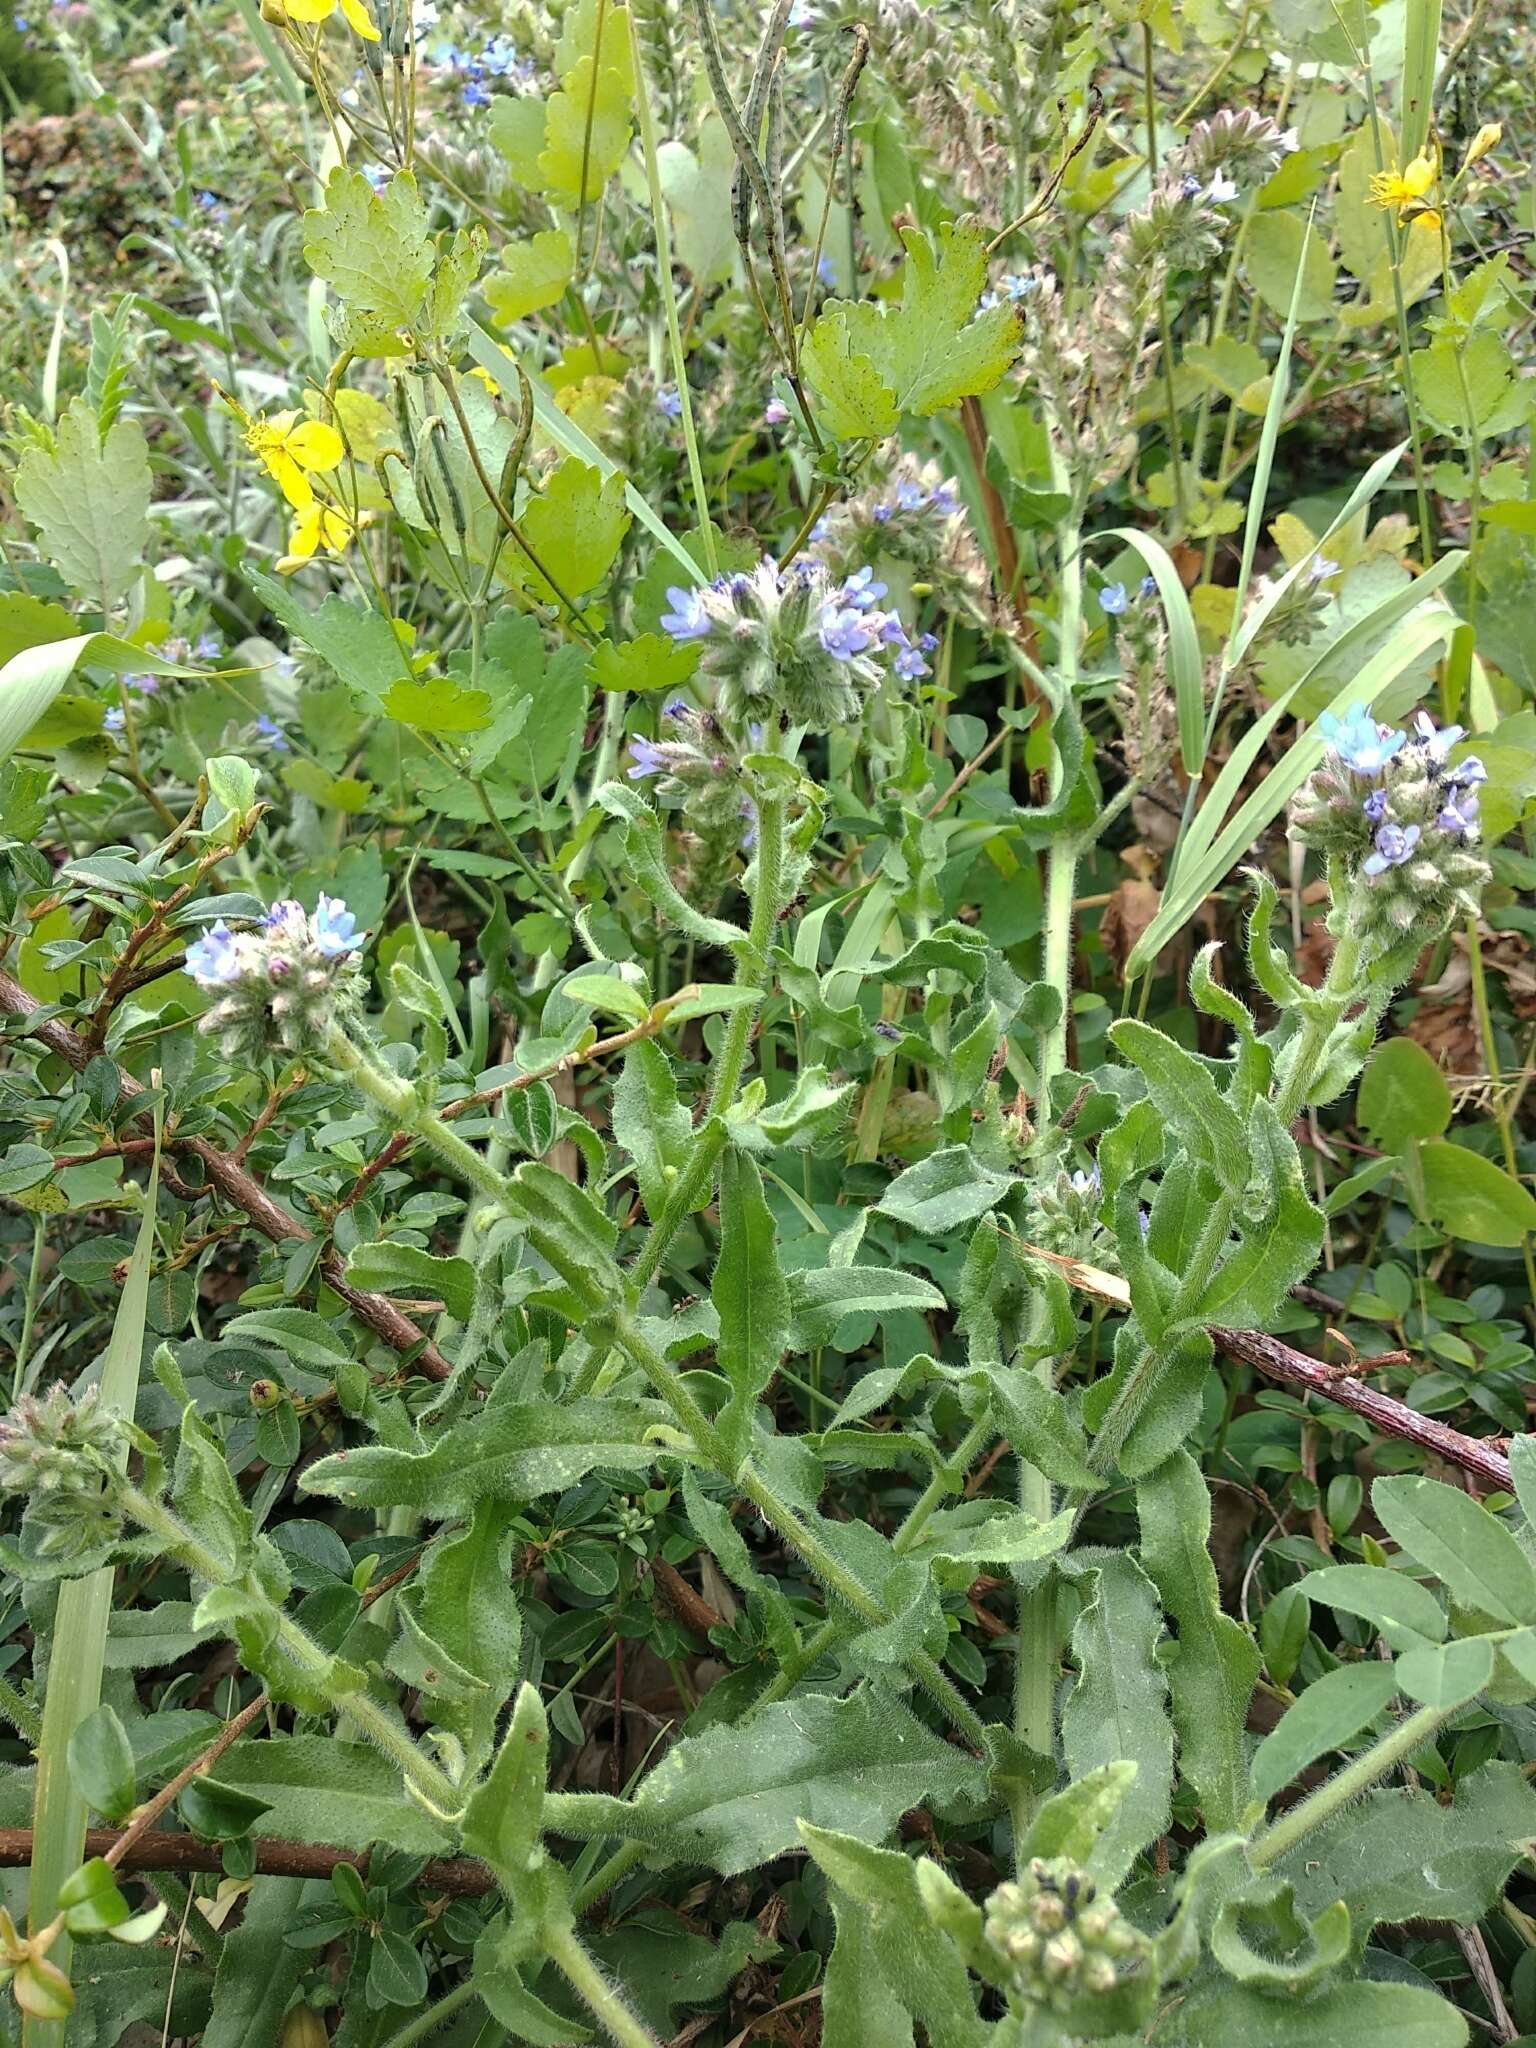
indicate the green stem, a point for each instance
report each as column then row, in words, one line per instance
column 1034, row 1667
column 568, row 1956
column 751, row 967
column 407, row 1112
column 1408, row 1736
column 434, row 2017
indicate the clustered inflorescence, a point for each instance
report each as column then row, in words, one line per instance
column 794, row 643
column 1065, row 1946
column 281, row 984
column 1400, row 815
column 914, row 517
column 1089, row 368
column 59, row 1453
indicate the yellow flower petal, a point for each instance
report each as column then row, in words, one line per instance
column 309, row 10
column 360, row 19
column 291, row 480
column 1419, row 176
column 1427, row 219
column 315, row 445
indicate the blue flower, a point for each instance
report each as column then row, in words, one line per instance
column 648, row 759
column 1220, row 190
column 687, row 620
column 1394, row 845
column 114, row 718
column 1361, row 744
column 927, row 642
column 825, row 270
column 1189, row 185
column 946, row 499
column 146, row 686
column 1467, row 773
column 861, row 589
column 845, row 633
column 378, row 175
column 821, row 529
column 208, row 647
column 909, row 665
column 214, row 959
column 1019, row 284
column 669, row 400
column 1459, row 815
column 910, row 497
column 269, row 730
column 883, row 514
column 1113, row 599
column 1375, row 806
column 678, row 710
column 476, row 94
column 775, row 412
column 335, row 928
column 1147, row 586
column 1437, row 744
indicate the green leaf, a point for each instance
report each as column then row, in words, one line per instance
column 1039, row 1425
column 1387, row 1855
column 1404, row 1612
column 1403, row 1095
column 1471, row 1198
column 464, row 1616
column 1476, row 1559
column 1272, row 254
column 810, row 1115
column 510, row 1451
column 437, row 704
column 1332, row 1710
column 1117, row 1712
column 943, row 1191
column 319, row 1789
column 1344, row 2016
column 1470, row 386
column 872, row 363
column 503, row 1820
column 101, row 1764
column 647, row 863
column 533, row 274
column 665, row 1968
column 88, row 496
column 391, row 1268
column 820, row 1300
column 1183, row 1091
column 1446, row 1675
column 733, row 1797
column 374, row 250
column 360, row 645
column 1262, row 1939
column 574, row 526
column 650, row 662
column 396, row 1973
column 299, row 1333
column 650, row 1123
column 1072, row 1820
column 921, row 1966
column 750, row 1297
column 1216, row 1664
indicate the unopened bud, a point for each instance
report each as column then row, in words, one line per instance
column 1488, row 137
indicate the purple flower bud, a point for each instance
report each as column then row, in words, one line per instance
column 687, row 620
column 1394, row 845
column 775, row 412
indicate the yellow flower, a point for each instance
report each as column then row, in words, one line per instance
column 322, row 10
column 1404, row 188
column 288, row 447
column 317, row 528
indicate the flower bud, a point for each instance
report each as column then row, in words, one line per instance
column 1487, row 138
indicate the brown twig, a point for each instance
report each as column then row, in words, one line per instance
column 239, row 1189
column 1290, row 1368
column 136, row 1830
column 459, row 1876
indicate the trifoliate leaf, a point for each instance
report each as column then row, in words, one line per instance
column 872, row 363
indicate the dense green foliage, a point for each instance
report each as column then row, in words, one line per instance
column 766, row 799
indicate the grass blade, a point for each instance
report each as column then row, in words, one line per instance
column 79, row 1641
column 1281, row 783
column 1185, row 669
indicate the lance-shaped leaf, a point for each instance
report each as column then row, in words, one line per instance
column 734, row 1796
column 750, row 1297
column 1216, row 1664
column 510, row 1451
column 1470, row 1551
column 1184, row 1092
column 651, row 1123
column 1331, row 1712
column 1118, row 1709
column 915, row 1965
